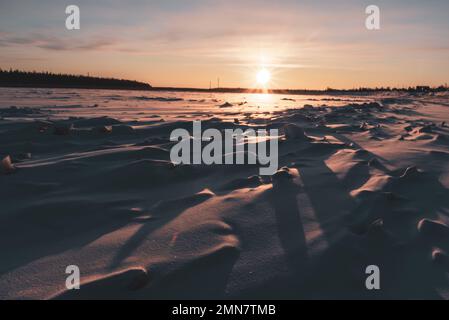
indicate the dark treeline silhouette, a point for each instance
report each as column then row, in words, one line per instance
column 17, row 78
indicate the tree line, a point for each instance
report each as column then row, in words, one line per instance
column 18, row 78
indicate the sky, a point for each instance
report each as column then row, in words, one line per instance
column 307, row 44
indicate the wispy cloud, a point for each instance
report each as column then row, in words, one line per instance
column 55, row 43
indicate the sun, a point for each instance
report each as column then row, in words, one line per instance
column 263, row 77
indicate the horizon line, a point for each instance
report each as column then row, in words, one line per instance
column 421, row 87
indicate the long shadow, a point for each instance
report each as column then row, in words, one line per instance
column 337, row 273
column 26, row 238
column 289, row 225
column 332, row 203
column 168, row 214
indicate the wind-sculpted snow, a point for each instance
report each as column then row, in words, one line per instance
column 87, row 180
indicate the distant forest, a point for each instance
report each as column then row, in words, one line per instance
column 17, row 78
column 328, row 91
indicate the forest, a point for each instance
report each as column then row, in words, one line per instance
column 18, row 78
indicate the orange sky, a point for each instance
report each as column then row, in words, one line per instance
column 192, row 42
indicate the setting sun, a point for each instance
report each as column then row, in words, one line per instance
column 263, row 77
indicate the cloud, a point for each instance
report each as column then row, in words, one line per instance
column 54, row 43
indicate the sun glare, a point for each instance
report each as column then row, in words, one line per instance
column 263, row 77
